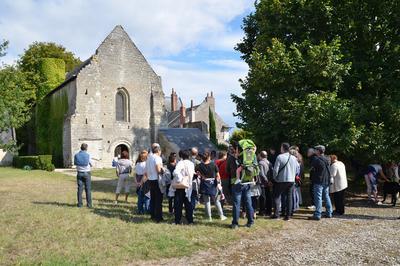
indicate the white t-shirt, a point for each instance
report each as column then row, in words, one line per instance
column 140, row 168
column 151, row 166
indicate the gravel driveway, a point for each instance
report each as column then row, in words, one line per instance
column 365, row 235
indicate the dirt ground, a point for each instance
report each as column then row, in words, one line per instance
column 367, row 234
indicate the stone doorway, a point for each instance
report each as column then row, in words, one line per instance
column 119, row 149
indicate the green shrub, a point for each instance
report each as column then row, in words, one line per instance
column 46, row 162
column 45, row 159
column 43, row 162
column 49, row 167
column 32, row 161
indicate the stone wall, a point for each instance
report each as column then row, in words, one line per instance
column 117, row 64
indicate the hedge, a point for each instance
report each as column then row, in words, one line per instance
column 43, row 162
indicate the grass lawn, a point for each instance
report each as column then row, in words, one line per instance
column 105, row 172
column 41, row 225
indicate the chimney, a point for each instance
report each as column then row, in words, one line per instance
column 192, row 115
column 211, row 100
column 174, row 101
column 182, row 114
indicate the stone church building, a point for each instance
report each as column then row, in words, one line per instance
column 115, row 102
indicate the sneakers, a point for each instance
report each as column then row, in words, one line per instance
column 274, row 217
column 249, row 225
column 223, row 218
column 287, row 218
column 313, row 218
column 312, row 207
column 234, row 226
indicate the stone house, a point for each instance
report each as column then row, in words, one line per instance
column 115, row 102
column 195, row 116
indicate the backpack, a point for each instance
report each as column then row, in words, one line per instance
column 249, row 164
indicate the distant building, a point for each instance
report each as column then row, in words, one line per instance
column 195, row 116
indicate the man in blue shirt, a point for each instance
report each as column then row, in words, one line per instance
column 83, row 163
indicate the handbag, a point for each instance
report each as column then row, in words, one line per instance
column 184, row 184
column 208, row 186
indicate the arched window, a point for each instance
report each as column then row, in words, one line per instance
column 122, row 105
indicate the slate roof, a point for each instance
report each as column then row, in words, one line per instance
column 187, row 138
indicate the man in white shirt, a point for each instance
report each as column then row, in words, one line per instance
column 154, row 168
column 83, row 164
column 284, row 173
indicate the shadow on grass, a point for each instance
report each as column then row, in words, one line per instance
column 120, row 213
column 364, row 217
column 106, row 186
column 54, row 203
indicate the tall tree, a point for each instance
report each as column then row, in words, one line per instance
column 324, row 71
column 16, row 96
column 213, row 131
column 35, row 62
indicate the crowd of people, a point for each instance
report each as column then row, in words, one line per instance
column 254, row 184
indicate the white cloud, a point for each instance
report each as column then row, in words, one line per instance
column 159, row 27
column 229, row 63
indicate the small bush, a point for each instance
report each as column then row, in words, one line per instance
column 22, row 161
column 43, row 162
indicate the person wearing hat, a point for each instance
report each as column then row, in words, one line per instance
column 321, row 178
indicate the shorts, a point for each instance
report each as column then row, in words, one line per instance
column 123, row 182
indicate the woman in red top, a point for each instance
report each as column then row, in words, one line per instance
column 221, row 164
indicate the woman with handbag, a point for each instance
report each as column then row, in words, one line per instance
column 208, row 172
column 181, row 187
column 123, row 169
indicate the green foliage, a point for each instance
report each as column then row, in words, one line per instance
column 3, row 48
column 239, row 134
column 22, row 161
column 42, row 162
column 46, row 162
column 15, row 98
column 49, row 122
column 30, row 59
column 53, row 74
column 213, row 131
column 323, row 72
column 35, row 61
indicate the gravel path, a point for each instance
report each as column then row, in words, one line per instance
column 367, row 235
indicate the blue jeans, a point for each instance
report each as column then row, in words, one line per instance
column 242, row 192
column 321, row 192
column 83, row 179
column 143, row 202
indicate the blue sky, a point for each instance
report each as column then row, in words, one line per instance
column 188, row 43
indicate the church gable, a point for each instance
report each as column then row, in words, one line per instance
column 119, row 46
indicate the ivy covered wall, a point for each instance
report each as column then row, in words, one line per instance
column 52, row 74
column 49, row 123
